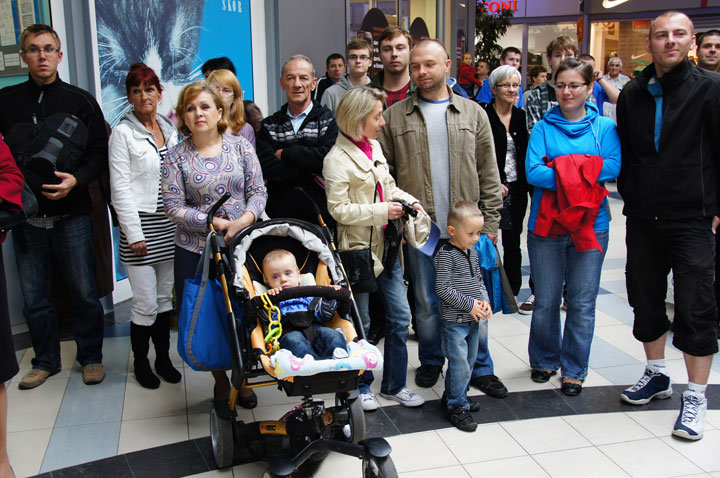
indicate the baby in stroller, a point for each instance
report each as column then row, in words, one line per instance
column 302, row 335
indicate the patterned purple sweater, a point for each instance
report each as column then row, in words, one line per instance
column 191, row 184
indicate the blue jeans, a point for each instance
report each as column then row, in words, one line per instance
column 397, row 321
column 326, row 340
column 483, row 364
column 459, row 344
column 552, row 260
column 69, row 246
column 362, row 300
column 427, row 305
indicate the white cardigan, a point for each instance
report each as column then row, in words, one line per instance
column 134, row 161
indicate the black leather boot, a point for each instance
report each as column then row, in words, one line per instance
column 140, row 341
column 161, row 340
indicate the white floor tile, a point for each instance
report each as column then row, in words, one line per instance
column 250, row 470
column 594, row 379
column 678, row 372
column 603, row 320
column 650, row 458
column 657, row 422
column 501, row 325
column 198, row 390
column 37, row 408
column 151, row 432
column 523, row 466
column 488, row 442
column 226, row 473
column 68, row 351
column 585, row 462
column 336, row 465
column 165, row 401
column 517, row 344
column 604, row 428
column 542, row 435
column 420, row 451
column 453, row 471
column 27, row 450
column 703, row 453
column 524, row 384
column 507, row 364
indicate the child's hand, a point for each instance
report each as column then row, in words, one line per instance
column 486, row 309
column 336, row 287
column 274, row 291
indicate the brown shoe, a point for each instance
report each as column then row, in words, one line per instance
column 35, row 378
column 93, row 373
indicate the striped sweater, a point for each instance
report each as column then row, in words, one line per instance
column 458, row 282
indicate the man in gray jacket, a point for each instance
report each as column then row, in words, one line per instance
column 440, row 148
column 359, row 58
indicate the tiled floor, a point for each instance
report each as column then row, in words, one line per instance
column 536, row 431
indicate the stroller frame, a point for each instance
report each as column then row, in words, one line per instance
column 310, row 431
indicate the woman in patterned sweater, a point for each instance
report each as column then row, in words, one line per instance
column 196, row 173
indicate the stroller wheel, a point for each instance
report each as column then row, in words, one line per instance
column 374, row 467
column 221, row 435
column 356, row 429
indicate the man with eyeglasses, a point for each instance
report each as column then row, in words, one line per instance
column 60, row 234
column 359, row 58
column 669, row 125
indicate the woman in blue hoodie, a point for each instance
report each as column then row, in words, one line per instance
column 574, row 126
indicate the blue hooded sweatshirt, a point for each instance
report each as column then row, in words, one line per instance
column 555, row 136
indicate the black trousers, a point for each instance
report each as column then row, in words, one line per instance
column 687, row 247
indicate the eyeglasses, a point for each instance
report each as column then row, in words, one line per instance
column 49, row 50
column 508, row 86
column 572, row 86
column 356, row 57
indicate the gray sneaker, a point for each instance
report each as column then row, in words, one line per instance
column 406, row 398
column 526, row 308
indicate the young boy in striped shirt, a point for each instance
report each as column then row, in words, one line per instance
column 463, row 304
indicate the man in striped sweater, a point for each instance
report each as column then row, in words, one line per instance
column 464, row 309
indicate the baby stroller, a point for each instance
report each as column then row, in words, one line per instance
column 309, row 431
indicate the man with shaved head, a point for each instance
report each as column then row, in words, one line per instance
column 668, row 126
column 440, row 148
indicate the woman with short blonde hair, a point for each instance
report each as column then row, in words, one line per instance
column 232, row 95
column 357, row 103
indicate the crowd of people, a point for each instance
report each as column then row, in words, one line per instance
column 360, row 147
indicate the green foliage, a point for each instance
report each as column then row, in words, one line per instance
column 488, row 29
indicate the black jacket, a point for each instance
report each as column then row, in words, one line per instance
column 681, row 179
column 21, row 102
column 301, row 161
column 518, row 131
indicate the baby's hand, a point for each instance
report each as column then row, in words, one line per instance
column 336, row 287
column 274, row 291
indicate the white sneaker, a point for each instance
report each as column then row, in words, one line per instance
column 340, row 353
column 691, row 421
column 526, row 308
column 368, row 402
column 406, row 398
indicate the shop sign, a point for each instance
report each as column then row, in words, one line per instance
column 629, row 6
column 495, row 6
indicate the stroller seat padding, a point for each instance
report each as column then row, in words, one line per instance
column 362, row 356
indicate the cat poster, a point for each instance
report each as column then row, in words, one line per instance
column 174, row 38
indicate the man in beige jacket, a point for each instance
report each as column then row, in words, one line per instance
column 440, row 148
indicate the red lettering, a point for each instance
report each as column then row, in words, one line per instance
column 494, row 6
column 506, row 5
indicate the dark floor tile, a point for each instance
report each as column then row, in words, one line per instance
column 538, row 404
column 44, row 475
column 492, row 409
column 379, row 424
column 598, row 400
column 115, row 467
column 429, row 416
column 169, row 461
column 712, row 394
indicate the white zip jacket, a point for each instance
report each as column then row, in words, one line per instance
column 134, row 161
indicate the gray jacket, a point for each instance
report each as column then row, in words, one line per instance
column 332, row 96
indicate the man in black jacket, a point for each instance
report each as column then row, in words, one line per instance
column 292, row 145
column 61, row 233
column 668, row 125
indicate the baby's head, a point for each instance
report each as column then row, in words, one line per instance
column 467, row 59
column 465, row 224
column 280, row 269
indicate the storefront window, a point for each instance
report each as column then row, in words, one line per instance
column 540, row 35
column 624, row 39
column 395, row 12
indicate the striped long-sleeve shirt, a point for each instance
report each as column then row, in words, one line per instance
column 458, row 282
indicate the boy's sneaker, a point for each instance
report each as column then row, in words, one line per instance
column 426, row 376
column 526, row 308
column 490, row 385
column 340, row 353
column 368, row 402
column 651, row 385
column 474, row 405
column 463, row 420
column 406, row 398
column 691, row 421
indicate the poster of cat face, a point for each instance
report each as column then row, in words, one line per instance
column 174, row 38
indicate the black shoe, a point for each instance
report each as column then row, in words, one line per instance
column 140, row 342
column 248, row 402
column 571, row 389
column 426, row 376
column 463, row 420
column 474, row 405
column 375, row 335
column 490, row 385
column 161, row 340
column 541, row 376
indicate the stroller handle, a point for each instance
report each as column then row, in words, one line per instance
column 214, row 209
column 342, row 296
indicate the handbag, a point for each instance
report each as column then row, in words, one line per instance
column 359, row 266
column 10, row 219
column 203, row 338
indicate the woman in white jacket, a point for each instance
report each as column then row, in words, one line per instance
column 138, row 145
